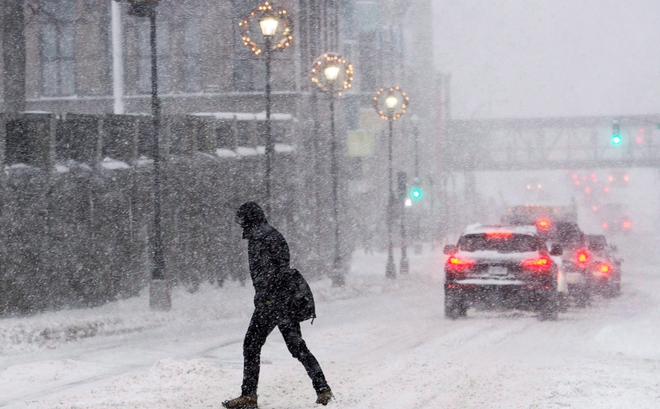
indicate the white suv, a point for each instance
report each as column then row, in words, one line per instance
column 504, row 266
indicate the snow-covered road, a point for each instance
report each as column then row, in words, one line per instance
column 382, row 343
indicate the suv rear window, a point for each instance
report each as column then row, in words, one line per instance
column 510, row 244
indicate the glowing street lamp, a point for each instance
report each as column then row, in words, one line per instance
column 391, row 101
column 333, row 75
column 276, row 30
column 391, row 104
column 331, row 72
column 268, row 26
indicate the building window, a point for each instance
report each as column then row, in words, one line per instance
column 163, row 51
column 369, row 64
column 249, row 70
column 192, row 50
column 57, row 33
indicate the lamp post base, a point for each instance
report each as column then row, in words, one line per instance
column 404, row 268
column 390, row 270
column 160, row 295
column 337, row 272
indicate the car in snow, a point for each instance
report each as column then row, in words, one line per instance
column 507, row 266
column 558, row 225
column 614, row 218
column 576, row 257
column 605, row 266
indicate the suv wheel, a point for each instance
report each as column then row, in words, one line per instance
column 455, row 306
column 582, row 296
column 549, row 309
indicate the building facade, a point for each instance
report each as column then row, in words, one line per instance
column 70, row 64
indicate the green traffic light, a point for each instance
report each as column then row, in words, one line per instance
column 616, row 133
column 416, row 193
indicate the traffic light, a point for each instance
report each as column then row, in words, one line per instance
column 616, row 134
column 416, row 191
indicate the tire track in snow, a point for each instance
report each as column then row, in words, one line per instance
column 445, row 338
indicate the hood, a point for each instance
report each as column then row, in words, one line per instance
column 250, row 214
column 252, row 219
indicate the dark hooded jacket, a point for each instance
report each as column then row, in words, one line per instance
column 280, row 291
column 268, row 255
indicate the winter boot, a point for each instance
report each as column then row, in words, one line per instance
column 323, row 397
column 242, row 402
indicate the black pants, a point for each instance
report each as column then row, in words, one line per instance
column 261, row 325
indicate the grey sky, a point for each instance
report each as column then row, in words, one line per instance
column 522, row 58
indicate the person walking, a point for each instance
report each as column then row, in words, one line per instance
column 268, row 256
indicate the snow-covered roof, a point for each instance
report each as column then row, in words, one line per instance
column 246, row 116
column 282, row 147
column 144, row 161
column 246, row 151
column 250, row 151
column 225, row 153
column 113, row 164
column 516, row 229
column 37, row 112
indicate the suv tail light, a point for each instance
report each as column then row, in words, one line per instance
column 604, row 268
column 459, row 264
column 541, row 264
column 582, row 257
column 543, row 224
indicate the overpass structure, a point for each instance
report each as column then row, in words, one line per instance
column 550, row 143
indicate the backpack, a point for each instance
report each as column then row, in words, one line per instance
column 300, row 302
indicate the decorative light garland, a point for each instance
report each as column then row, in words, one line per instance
column 344, row 75
column 398, row 110
column 260, row 12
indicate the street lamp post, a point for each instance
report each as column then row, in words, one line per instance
column 275, row 27
column 391, row 104
column 160, row 297
column 333, row 75
column 404, row 265
column 416, row 236
column 268, row 27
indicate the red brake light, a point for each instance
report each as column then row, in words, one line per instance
column 541, row 264
column 582, row 257
column 456, row 263
column 604, row 268
column 499, row 234
column 627, row 224
column 543, row 224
